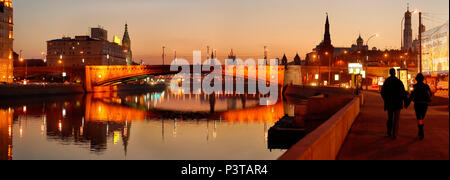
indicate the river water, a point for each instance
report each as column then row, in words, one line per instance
column 147, row 125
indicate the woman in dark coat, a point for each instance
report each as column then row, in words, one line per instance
column 421, row 96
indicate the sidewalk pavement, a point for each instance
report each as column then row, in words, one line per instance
column 367, row 139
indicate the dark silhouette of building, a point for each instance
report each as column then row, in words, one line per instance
column 30, row 63
column 297, row 60
column 407, row 32
column 284, row 60
column 359, row 46
column 126, row 43
column 325, row 49
column 232, row 56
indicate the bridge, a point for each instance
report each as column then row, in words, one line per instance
column 102, row 78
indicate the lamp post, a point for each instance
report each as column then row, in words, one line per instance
column 401, row 33
column 60, row 61
column 367, row 57
column 163, row 54
column 26, row 66
column 329, row 67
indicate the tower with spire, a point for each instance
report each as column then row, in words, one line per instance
column 407, row 32
column 325, row 48
column 232, row 56
column 284, row 60
column 126, row 43
column 297, row 60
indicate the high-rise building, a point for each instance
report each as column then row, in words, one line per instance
column 407, row 32
column 6, row 41
column 126, row 43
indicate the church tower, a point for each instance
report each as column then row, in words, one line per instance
column 327, row 36
column 407, row 32
column 126, row 43
column 325, row 49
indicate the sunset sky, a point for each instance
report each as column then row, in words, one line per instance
column 285, row 26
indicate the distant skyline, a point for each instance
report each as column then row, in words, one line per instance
column 246, row 26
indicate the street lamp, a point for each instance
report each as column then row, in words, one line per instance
column 329, row 67
column 60, row 61
column 26, row 66
column 163, row 54
column 367, row 57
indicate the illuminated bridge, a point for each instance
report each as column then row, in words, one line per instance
column 101, row 78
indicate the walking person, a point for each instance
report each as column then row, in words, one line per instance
column 394, row 96
column 421, row 96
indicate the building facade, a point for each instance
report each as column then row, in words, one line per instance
column 85, row 50
column 6, row 41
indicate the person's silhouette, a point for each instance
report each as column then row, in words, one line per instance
column 421, row 97
column 394, row 95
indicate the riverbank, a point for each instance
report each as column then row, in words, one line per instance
column 13, row 90
column 368, row 141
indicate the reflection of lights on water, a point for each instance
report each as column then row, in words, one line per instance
column 116, row 137
column 24, row 108
column 9, row 130
column 215, row 130
column 10, row 151
column 21, row 131
column 64, row 112
column 59, row 125
column 175, row 128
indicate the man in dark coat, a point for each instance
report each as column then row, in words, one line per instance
column 394, row 95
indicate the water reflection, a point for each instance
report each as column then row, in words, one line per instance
column 6, row 134
column 61, row 127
